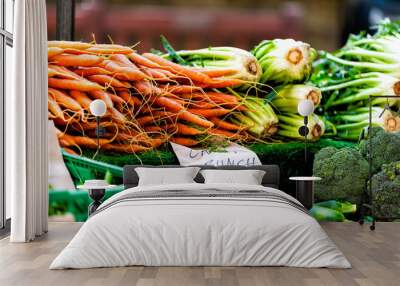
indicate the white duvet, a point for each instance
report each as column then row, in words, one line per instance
column 200, row 231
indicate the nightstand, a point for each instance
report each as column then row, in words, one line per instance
column 96, row 190
column 305, row 190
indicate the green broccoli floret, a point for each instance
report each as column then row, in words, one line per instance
column 344, row 174
column 385, row 148
column 386, row 191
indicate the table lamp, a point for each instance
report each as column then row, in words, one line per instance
column 98, row 108
column 305, row 108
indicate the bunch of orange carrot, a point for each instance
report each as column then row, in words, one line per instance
column 150, row 100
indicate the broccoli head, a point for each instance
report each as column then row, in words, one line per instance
column 344, row 174
column 385, row 148
column 386, row 191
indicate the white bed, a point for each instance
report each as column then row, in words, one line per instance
column 185, row 230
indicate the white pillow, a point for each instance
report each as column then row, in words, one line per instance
column 166, row 176
column 248, row 177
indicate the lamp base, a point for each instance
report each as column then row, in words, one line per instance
column 303, row 130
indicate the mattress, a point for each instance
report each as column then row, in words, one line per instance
column 201, row 225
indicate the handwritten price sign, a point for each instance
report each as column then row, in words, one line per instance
column 233, row 155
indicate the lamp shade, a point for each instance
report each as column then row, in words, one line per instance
column 305, row 107
column 98, row 107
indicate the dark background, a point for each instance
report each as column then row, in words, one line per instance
column 325, row 24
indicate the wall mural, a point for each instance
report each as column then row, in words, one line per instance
column 212, row 97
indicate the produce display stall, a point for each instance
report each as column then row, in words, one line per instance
column 208, row 97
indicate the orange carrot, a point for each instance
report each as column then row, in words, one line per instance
column 63, row 72
column 64, row 100
column 146, row 88
column 168, row 103
column 179, row 89
column 171, row 105
column 196, row 97
column 66, row 121
column 224, row 124
column 124, row 148
column 123, row 60
column 69, row 44
column 51, row 72
column 178, row 100
column 156, row 142
column 153, row 129
column 155, row 74
column 81, row 98
column 178, row 69
column 130, row 99
column 54, row 108
column 54, row 51
column 92, row 71
column 227, row 100
column 220, row 97
column 184, row 141
column 107, row 49
column 192, row 118
column 103, row 95
column 221, row 83
column 82, row 85
column 138, row 59
column 217, row 72
column 76, row 60
column 164, row 115
column 167, row 74
column 187, row 130
column 202, row 104
column 116, row 99
column 209, row 112
column 123, row 72
column 141, row 137
column 70, row 151
column 131, row 138
column 118, row 116
column 125, row 138
column 73, row 51
column 107, row 81
column 82, row 141
column 177, row 128
column 146, row 119
column 93, row 125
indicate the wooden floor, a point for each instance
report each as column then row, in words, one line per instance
column 375, row 257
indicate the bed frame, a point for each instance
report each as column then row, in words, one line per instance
column 271, row 177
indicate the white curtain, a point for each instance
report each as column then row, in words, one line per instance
column 26, row 123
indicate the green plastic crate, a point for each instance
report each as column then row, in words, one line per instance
column 75, row 202
column 82, row 169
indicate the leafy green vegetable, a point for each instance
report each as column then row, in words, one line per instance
column 386, row 191
column 171, row 52
column 326, row 214
column 108, row 177
column 284, row 61
column 368, row 65
column 343, row 207
column 385, row 147
column 289, row 96
column 361, row 87
column 344, row 174
column 239, row 63
column 351, row 124
column 259, row 118
column 290, row 123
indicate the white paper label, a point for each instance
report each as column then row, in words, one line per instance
column 234, row 155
